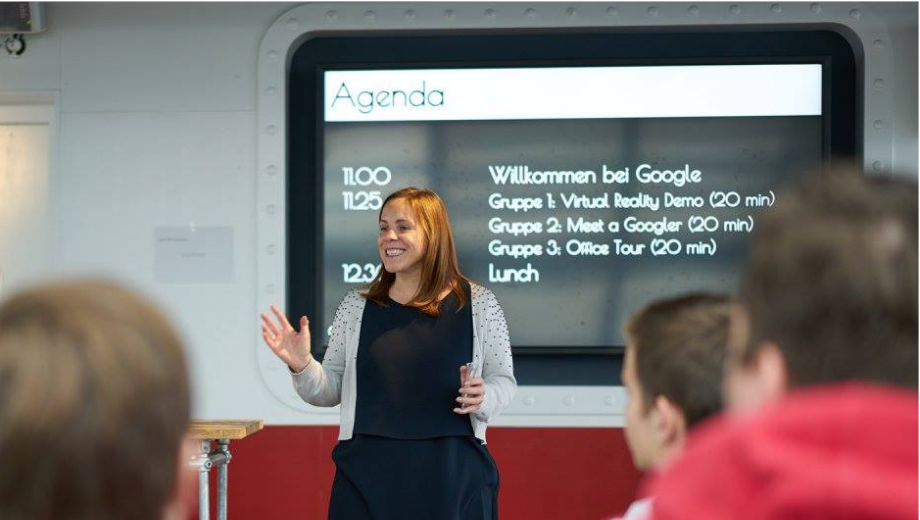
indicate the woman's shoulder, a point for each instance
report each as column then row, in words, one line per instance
column 482, row 296
column 352, row 301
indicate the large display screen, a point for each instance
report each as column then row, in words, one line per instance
column 585, row 172
column 577, row 194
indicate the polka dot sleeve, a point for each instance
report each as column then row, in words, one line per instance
column 497, row 363
column 321, row 385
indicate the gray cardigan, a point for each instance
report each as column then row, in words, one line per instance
column 333, row 382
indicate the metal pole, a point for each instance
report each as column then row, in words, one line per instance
column 204, row 509
column 224, row 446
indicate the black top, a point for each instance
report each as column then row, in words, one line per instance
column 408, row 370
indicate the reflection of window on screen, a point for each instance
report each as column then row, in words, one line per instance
column 576, row 194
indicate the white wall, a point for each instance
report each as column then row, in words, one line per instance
column 901, row 20
column 157, row 127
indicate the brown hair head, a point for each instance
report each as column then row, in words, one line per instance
column 94, row 403
column 440, row 268
column 831, row 279
column 679, row 349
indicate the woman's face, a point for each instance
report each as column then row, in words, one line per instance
column 400, row 242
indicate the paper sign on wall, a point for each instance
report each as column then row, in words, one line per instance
column 193, row 254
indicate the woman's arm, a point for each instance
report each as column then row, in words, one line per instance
column 321, row 384
column 498, row 366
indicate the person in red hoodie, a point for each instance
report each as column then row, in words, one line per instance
column 821, row 366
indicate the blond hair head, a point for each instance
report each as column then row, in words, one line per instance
column 94, row 403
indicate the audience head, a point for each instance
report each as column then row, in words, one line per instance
column 672, row 372
column 830, row 289
column 94, row 406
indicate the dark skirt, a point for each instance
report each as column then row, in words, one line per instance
column 444, row 478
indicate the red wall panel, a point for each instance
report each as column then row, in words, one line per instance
column 285, row 472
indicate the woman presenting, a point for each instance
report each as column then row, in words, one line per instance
column 411, row 444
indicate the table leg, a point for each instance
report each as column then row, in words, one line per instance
column 224, row 446
column 203, row 498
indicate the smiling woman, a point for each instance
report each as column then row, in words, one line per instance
column 411, row 445
column 416, row 246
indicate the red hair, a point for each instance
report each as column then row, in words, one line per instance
column 440, row 269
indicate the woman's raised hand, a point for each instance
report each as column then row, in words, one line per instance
column 289, row 345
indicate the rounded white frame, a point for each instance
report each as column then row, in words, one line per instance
column 533, row 406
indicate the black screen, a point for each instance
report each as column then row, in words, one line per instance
column 573, row 222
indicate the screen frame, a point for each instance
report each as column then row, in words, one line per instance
column 379, row 50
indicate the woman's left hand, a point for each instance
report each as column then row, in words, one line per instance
column 472, row 391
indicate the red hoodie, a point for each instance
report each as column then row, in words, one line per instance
column 842, row 452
